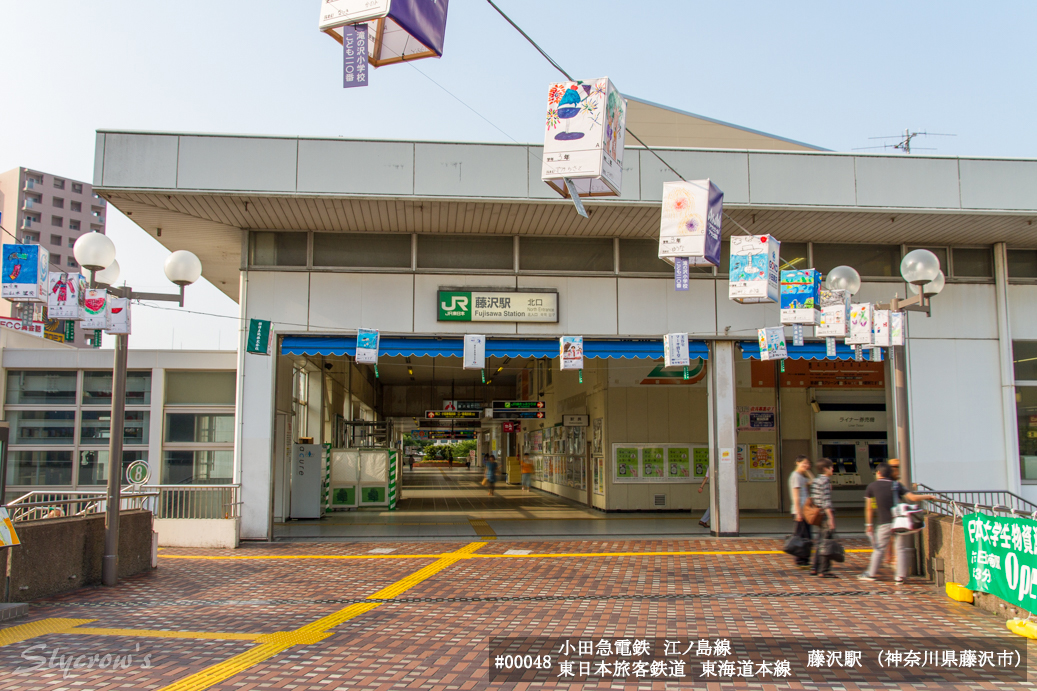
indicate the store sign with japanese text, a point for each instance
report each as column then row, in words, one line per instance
column 1002, row 557
column 497, row 306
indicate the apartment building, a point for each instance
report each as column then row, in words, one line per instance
column 51, row 211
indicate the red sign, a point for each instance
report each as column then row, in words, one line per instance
column 508, row 427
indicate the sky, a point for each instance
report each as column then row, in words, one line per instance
column 826, row 73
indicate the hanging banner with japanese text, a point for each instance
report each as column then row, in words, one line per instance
column 1002, row 557
column 354, row 56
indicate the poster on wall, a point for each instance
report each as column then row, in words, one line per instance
column 652, row 463
column 599, row 475
column 757, row 418
column 597, row 434
column 741, row 451
column 627, row 462
column 701, row 461
column 678, row 462
column 761, row 466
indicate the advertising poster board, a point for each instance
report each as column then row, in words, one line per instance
column 678, row 462
column 761, row 465
column 700, row 458
column 652, row 462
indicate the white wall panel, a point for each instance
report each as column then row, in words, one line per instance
column 586, row 306
column 426, row 311
column 802, row 179
column 1022, row 312
column 728, row 170
column 907, row 181
column 469, row 170
column 998, row 184
column 139, row 160
column 956, row 420
column 651, row 306
column 281, row 297
column 350, row 167
column 962, row 310
column 744, row 320
column 237, row 163
column 538, row 189
column 387, row 302
column 335, row 301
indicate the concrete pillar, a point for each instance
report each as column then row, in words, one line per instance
column 156, row 427
column 1004, row 341
column 723, row 431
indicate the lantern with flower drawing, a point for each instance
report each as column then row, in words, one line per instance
column 583, row 141
column 690, row 226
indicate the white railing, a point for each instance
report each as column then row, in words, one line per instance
column 40, row 504
column 196, row 501
column 164, row 501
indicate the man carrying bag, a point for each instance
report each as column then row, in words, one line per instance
column 879, row 499
column 821, row 498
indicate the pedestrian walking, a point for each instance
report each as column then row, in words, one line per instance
column 704, row 521
column 879, row 499
column 799, row 490
column 821, row 494
column 491, row 473
column 527, row 473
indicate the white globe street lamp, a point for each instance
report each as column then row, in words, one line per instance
column 108, row 276
column 919, row 267
column 843, row 278
column 94, row 251
column 933, row 287
column 183, row 268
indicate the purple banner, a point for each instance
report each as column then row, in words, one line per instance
column 681, row 273
column 354, row 55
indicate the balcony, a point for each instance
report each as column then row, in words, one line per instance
column 31, row 183
column 29, row 203
column 26, row 223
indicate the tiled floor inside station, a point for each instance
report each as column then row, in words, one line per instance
column 439, row 503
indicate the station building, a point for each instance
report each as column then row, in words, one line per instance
column 322, row 237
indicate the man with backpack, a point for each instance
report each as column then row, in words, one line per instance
column 879, row 499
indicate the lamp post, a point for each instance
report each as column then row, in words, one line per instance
column 96, row 253
column 921, row 270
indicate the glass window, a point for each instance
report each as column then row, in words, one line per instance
column 1024, row 357
column 362, row 250
column 38, row 387
column 941, row 254
column 642, row 256
column 1022, row 263
column 97, row 388
column 52, row 427
column 198, row 467
column 39, row 468
column 200, row 428
column 278, row 249
column 793, row 256
column 1026, row 414
column 96, row 427
column 869, row 260
column 466, row 252
column 201, row 388
column 973, row 262
column 93, row 465
column 565, row 254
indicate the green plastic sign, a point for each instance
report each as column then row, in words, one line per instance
column 258, row 337
column 1002, row 557
column 138, row 472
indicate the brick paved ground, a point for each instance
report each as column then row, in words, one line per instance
column 432, row 617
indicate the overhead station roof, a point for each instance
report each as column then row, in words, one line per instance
column 201, row 190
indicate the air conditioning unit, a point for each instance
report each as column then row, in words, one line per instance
column 660, row 500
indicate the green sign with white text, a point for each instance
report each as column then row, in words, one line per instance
column 1002, row 557
column 258, row 337
column 497, row 306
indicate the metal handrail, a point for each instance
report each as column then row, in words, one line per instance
column 43, row 504
column 986, row 500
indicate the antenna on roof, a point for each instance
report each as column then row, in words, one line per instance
column 904, row 143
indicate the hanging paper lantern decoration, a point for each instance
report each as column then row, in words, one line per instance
column 880, row 328
column 26, row 271
column 397, row 30
column 95, row 301
column 754, row 269
column 800, row 296
column 690, row 227
column 117, row 316
column 65, row 296
column 571, row 352
column 896, row 328
column 675, row 350
column 772, row 343
column 367, row 346
column 860, row 324
column 835, row 313
column 474, row 352
column 583, row 139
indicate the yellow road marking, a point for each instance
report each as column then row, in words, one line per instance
column 147, row 633
column 274, row 644
column 482, row 528
column 24, row 632
column 554, row 555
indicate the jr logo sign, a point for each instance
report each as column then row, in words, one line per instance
column 455, row 306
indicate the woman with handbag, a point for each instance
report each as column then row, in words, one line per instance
column 799, row 490
column 821, row 496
